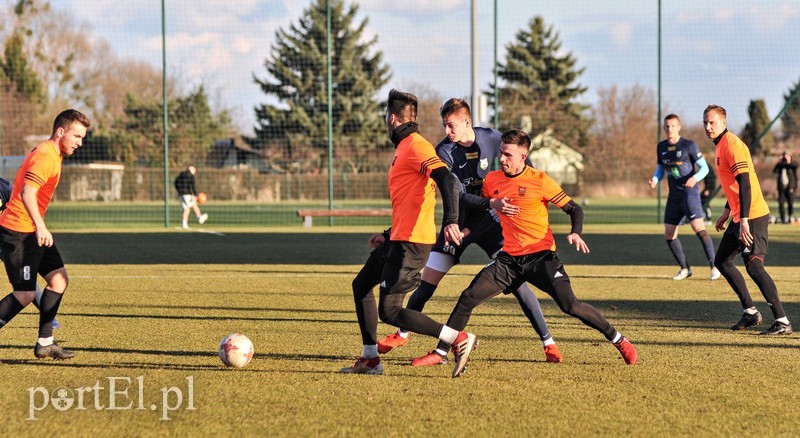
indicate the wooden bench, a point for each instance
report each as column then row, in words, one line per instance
column 308, row 215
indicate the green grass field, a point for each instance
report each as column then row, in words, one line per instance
column 234, row 214
column 146, row 310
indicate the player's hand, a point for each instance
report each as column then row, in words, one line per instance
column 580, row 245
column 452, row 235
column 376, row 240
column 43, row 237
column 652, row 182
column 722, row 220
column 691, row 182
column 503, row 205
column 744, row 232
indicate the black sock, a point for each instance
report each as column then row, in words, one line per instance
column 421, row 296
column 9, row 308
column 677, row 252
column 708, row 246
column 48, row 307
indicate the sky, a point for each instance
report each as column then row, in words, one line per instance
column 726, row 52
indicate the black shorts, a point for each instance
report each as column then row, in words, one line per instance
column 541, row 269
column 484, row 230
column 24, row 258
column 758, row 228
column 404, row 261
column 686, row 204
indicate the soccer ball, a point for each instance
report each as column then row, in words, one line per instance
column 202, row 198
column 235, row 350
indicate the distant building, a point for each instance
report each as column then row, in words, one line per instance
column 560, row 161
column 229, row 153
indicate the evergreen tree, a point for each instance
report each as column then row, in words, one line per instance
column 540, row 88
column 759, row 119
column 15, row 69
column 791, row 117
column 297, row 80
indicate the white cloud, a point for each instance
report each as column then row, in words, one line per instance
column 621, row 33
column 414, row 7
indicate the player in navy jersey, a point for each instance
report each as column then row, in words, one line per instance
column 470, row 153
column 682, row 162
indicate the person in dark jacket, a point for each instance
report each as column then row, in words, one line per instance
column 786, row 171
column 187, row 192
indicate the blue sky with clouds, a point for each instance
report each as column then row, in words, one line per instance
column 725, row 52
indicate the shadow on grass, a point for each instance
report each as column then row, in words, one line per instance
column 339, row 248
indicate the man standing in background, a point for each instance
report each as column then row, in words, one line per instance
column 677, row 157
column 747, row 231
column 187, row 192
column 786, row 171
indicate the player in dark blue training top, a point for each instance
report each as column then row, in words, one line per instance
column 470, row 153
column 682, row 162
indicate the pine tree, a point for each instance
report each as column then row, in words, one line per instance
column 791, row 117
column 540, row 87
column 297, row 80
column 14, row 67
column 759, row 119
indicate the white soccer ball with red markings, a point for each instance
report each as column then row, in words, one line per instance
column 235, row 350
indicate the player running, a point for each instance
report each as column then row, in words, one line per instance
column 27, row 244
column 677, row 157
column 396, row 264
column 529, row 248
column 469, row 153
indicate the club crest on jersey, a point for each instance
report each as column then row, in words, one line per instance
column 678, row 154
column 484, row 163
column 521, row 191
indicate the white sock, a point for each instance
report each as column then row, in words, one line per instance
column 783, row 320
column 448, row 335
column 548, row 341
column 440, row 352
column 370, row 351
column 617, row 338
column 751, row 311
column 403, row 333
column 44, row 342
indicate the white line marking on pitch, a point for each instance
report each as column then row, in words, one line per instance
column 200, row 230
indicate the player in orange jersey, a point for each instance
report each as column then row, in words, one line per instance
column 27, row 244
column 395, row 265
column 529, row 248
column 747, row 231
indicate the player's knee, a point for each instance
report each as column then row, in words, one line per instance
column 702, row 234
column 754, row 266
column 360, row 287
column 389, row 308
column 58, row 281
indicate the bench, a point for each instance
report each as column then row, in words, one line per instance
column 308, row 215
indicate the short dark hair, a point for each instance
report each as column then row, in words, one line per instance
column 66, row 118
column 403, row 105
column 672, row 116
column 517, row 137
column 718, row 109
column 453, row 106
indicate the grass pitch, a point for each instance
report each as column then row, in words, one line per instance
column 146, row 311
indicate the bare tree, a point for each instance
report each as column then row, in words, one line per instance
column 621, row 151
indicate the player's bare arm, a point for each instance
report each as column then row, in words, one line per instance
column 43, row 235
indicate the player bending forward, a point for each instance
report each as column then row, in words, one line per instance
column 529, row 248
